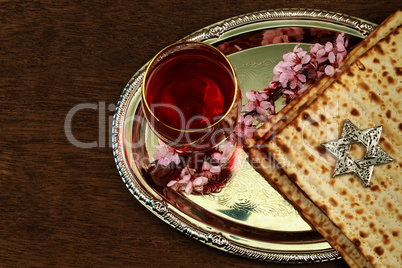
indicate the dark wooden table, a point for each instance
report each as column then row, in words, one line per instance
column 61, row 205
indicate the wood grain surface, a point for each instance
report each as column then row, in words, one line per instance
column 61, row 205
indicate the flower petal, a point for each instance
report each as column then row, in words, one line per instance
column 200, row 181
column 328, row 47
column 171, row 183
column 288, row 92
column 251, row 95
column 249, row 106
column 321, row 53
column 297, row 67
column 265, row 104
column 301, row 77
column 315, row 48
column 163, row 162
column 206, row 166
column 215, row 169
column 261, row 110
column 248, row 120
column 217, row 156
column 189, row 188
column 262, row 96
column 302, row 90
column 301, row 53
column 329, row 70
column 306, row 59
column 176, row 159
column 331, row 57
column 185, row 179
column 319, row 74
column 340, row 47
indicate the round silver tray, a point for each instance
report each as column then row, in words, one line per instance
column 246, row 216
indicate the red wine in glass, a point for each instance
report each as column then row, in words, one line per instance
column 190, row 96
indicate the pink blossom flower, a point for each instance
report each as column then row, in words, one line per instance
column 197, row 185
column 209, row 170
column 297, row 81
column 336, row 55
column 257, row 102
column 331, row 57
column 283, row 73
column 288, row 71
column 320, row 53
column 244, row 127
column 273, row 85
column 335, row 62
column 315, row 48
column 300, row 68
column 166, row 154
column 227, row 148
column 187, row 183
column 187, row 171
column 341, row 44
column 328, row 47
column 180, row 184
column 297, row 58
column 329, row 70
column 224, row 152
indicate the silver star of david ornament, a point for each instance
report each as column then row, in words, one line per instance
column 374, row 155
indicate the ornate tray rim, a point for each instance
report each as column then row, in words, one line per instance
column 159, row 208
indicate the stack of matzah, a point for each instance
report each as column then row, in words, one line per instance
column 363, row 223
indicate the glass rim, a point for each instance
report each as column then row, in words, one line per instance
column 144, row 100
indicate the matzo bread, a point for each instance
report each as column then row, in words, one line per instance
column 287, row 114
column 369, row 94
column 308, row 209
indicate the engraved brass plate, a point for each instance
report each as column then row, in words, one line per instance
column 246, row 216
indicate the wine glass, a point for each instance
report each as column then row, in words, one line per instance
column 190, row 96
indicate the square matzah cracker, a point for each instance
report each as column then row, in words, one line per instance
column 362, row 223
